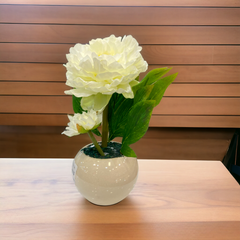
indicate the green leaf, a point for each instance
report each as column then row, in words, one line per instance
column 143, row 93
column 154, row 75
column 118, row 114
column 96, row 132
column 76, row 104
column 127, row 151
column 138, row 121
column 160, row 87
column 151, row 77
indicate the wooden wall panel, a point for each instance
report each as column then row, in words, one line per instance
column 199, row 39
column 20, row 119
column 36, row 104
column 153, row 54
column 42, row 53
column 188, row 121
column 174, row 90
column 203, row 90
column 57, row 72
column 198, row 106
column 33, row 88
column 158, row 143
column 159, row 54
column 179, row 121
column 168, row 106
column 33, row 72
column 118, row 15
column 195, row 3
column 204, row 73
column 71, row 34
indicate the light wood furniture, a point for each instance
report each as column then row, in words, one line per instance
column 179, row 200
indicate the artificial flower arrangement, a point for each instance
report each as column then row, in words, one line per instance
column 104, row 76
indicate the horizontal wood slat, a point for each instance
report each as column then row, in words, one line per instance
column 57, row 72
column 34, row 119
column 36, row 104
column 153, row 54
column 198, row 106
column 156, row 120
column 72, row 34
column 34, row 72
column 203, row 90
column 49, row 88
column 201, row 3
column 118, row 15
column 33, row 88
column 200, row 39
column 158, row 143
column 204, row 73
column 169, row 105
column 152, row 133
column 195, row 121
column 44, row 53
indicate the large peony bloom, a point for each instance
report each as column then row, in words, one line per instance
column 82, row 123
column 103, row 67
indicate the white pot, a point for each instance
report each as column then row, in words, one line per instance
column 104, row 181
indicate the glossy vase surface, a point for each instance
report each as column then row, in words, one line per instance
column 104, row 181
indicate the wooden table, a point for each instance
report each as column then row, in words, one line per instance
column 171, row 200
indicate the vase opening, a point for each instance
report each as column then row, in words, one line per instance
column 113, row 150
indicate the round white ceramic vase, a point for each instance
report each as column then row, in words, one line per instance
column 104, row 181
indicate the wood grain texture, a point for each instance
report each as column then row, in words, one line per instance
column 157, row 143
column 189, row 121
column 72, row 34
column 33, row 88
column 174, row 90
column 42, row 53
column 227, row 230
column 183, row 144
column 203, row 90
column 172, row 199
column 118, row 15
column 153, row 54
column 17, row 119
column 194, row 121
column 36, row 104
column 56, row 72
column 165, row 54
column 200, row 39
column 198, row 3
column 203, row 73
column 34, row 72
column 169, row 105
column 198, row 106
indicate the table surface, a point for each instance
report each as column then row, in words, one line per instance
column 172, row 199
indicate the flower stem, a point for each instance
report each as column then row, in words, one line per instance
column 90, row 134
column 105, row 127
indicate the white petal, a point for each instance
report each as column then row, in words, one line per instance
column 101, row 101
column 87, row 103
column 128, row 95
column 93, row 68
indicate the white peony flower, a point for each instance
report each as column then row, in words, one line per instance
column 103, row 67
column 82, row 123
